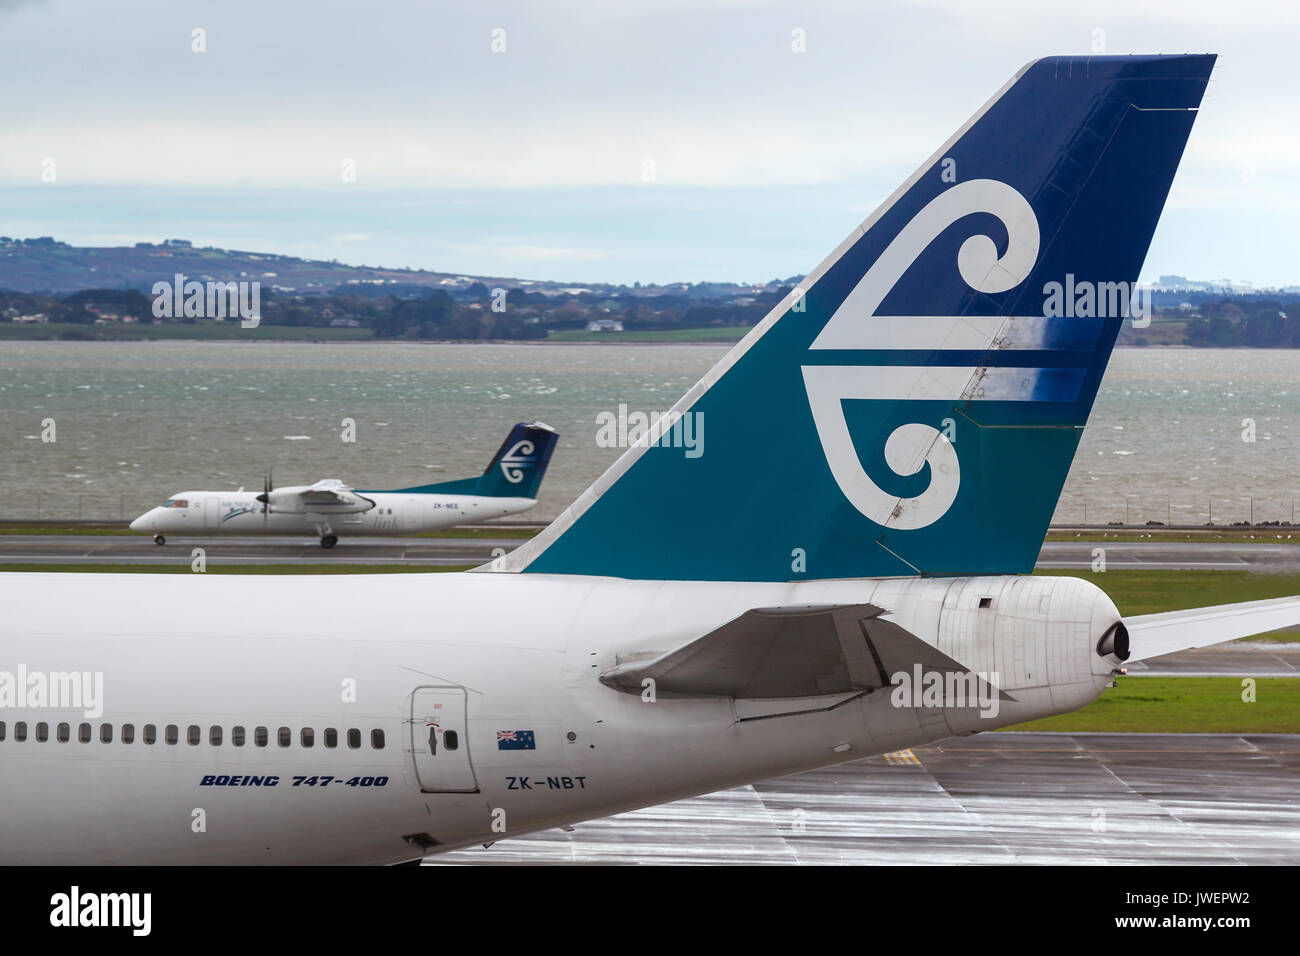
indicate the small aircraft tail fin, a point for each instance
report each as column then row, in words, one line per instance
column 517, row 469
column 914, row 404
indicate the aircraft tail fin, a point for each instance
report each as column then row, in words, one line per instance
column 914, row 404
column 515, row 471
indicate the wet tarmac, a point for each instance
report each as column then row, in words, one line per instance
column 992, row 798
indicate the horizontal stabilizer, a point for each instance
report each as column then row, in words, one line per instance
column 1151, row 635
column 786, row 652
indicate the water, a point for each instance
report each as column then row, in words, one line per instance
column 136, row 422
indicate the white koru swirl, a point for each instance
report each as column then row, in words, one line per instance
column 513, row 459
column 915, row 444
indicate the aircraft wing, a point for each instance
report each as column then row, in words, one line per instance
column 329, row 496
column 1151, row 635
column 329, row 491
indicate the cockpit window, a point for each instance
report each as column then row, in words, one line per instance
column 176, row 503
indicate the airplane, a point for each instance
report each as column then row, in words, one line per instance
column 507, row 486
column 886, row 449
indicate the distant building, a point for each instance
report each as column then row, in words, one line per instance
column 344, row 324
column 605, row 325
column 40, row 318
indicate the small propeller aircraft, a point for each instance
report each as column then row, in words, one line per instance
column 330, row 508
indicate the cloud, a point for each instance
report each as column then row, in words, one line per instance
column 711, row 93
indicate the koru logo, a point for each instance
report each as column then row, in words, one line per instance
column 516, row 460
column 912, row 445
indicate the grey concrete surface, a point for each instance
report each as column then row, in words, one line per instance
column 992, row 798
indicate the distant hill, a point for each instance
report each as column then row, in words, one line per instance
column 52, row 290
column 46, row 265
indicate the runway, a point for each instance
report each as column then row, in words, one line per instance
column 994, row 798
column 140, row 549
column 1171, row 555
column 1254, row 659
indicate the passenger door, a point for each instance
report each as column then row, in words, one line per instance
column 439, row 740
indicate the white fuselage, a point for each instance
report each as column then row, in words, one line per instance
column 239, row 512
column 482, row 662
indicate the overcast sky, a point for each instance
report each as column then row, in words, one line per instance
column 533, row 161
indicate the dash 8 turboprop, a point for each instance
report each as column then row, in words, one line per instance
column 330, row 508
column 844, row 571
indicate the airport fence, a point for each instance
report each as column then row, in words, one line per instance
column 1144, row 510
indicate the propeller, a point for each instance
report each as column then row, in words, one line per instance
column 265, row 496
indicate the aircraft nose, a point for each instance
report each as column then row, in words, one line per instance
column 139, row 523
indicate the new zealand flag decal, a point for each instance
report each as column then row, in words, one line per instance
column 516, row 740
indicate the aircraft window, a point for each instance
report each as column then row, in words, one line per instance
column 285, row 736
column 83, row 733
column 128, row 733
column 354, row 738
column 64, row 733
column 377, row 739
column 259, row 736
column 308, row 737
column 150, row 733
column 173, row 734
column 42, row 731
column 2, row 730
column 193, row 734
column 237, row 736
column 105, row 733
column 214, row 736
column 450, row 739
column 331, row 736
column 176, row 503
column 20, row 731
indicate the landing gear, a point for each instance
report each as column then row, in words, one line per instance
column 329, row 541
column 159, row 539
